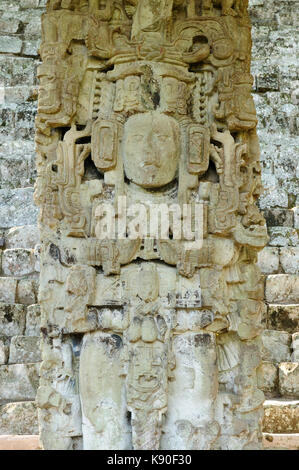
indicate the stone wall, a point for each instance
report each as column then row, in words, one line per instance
column 276, row 98
column 276, row 94
column 19, row 313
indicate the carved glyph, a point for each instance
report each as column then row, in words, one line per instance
column 149, row 341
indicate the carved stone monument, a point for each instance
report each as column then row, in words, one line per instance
column 148, row 342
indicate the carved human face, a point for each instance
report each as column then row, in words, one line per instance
column 151, row 149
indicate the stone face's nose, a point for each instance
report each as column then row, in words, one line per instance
column 151, row 150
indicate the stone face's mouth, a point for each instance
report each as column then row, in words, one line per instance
column 150, row 165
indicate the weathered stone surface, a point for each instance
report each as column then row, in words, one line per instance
column 17, row 71
column 17, row 157
column 20, row 443
column 18, row 95
column 268, row 260
column 9, row 26
column 283, row 317
column 295, row 347
column 26, row 236
column 276, row 346
column 289, row 259
column 281, row 416
column 289, row 379
column 33, row 321
column 12, row 319
column 273, row 195
column 281, row 441
column 10, row 44
column 30, row 3
column 19, row 418
column 267, row 378
column 31, row 47
column 18, row 382
column 24, row 349
column 282, row 289
column 18, row 262
column 283, row 236
column 26, row 292
column 4, row 350
column 17, row 207
column 8, row 290
column 279, row 217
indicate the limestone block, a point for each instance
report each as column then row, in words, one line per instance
column 26, row 236
column 296, row 218
column 24, row 349
column 267, row 80
column 18, row 149
column 29, row 4
column 17, row 157
column 12, row 319
column 37, row 249
column 15, row 173
column 281, row 441
column 31, row 47
column 8, row 290
column 7, row 4
column 17, row 95
column 281, row 416
column 7, row 120
column 278, row 217
column 26, row 292
column 18, row 382
column 289, row 259
column 267, row 377
column 264, row 315
column 289, row 379
column 24, row 122
column 4, row 350
column 268, row 260
column 19, row 418
column 17, row 207
column 283, row 317
column 33, row 321
column 274, row 197
column 282, row 289
column 10, row 442
column 295, row 347
column 283, row 236
column 18, row 262
column 9, row 26
column 276, row 346
column 10, row 44
column 33, row 27
column 17, row 71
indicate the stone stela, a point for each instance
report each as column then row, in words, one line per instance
column 147, row 344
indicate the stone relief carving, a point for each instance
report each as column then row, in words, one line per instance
column 148, row 342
